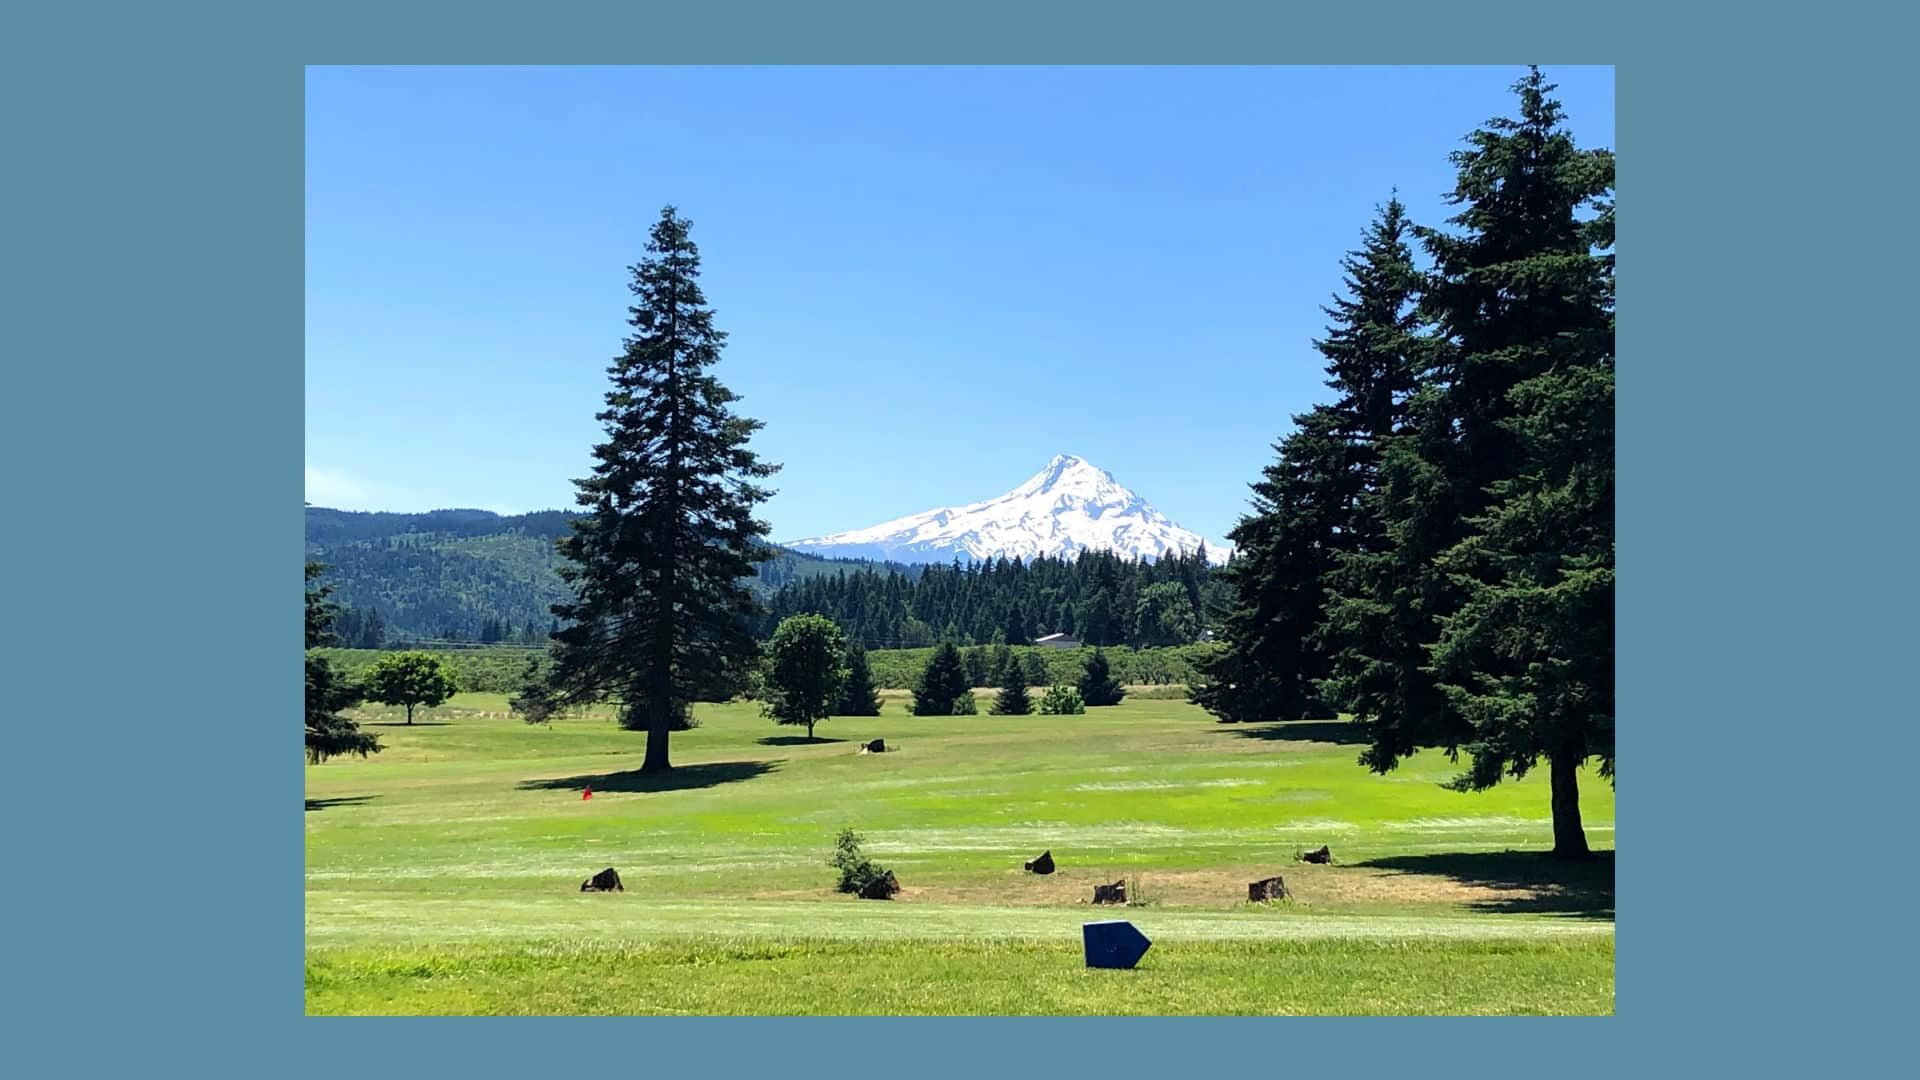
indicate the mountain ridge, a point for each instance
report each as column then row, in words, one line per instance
column 450, row 573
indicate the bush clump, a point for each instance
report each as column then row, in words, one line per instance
column 1062, row 701
column 859, row 874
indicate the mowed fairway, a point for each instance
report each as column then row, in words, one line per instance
column 443, row 874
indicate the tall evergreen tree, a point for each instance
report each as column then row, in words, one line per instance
column 1097, row 685
column 1013, row 699
column 1309, row 507
column 1487, row 624
column 859, row 697
column 659, row 615
column 321, row 610
column 329, row 693
column 942, row 682
column 1525, row 295
column 1097, row 618
column 1003, row 659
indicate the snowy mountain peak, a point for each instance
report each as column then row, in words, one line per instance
column 1069, row 473
column 1070, row 506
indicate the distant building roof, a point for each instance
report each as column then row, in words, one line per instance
column 1057, row 639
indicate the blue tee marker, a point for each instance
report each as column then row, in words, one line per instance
column 1114, row 943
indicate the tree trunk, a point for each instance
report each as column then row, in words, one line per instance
column 656, row 759
column 809, row 731
column 409, row 714
column 660, row 703
column 1569, row 837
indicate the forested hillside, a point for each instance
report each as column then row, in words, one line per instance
column 468, row 575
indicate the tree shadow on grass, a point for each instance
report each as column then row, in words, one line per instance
column 341, row 800
column 794, row 740
column 1343, row 732
column 403, row 723
column 679, row 778
column 1540, row 883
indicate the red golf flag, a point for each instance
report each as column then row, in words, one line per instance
column 587, row 794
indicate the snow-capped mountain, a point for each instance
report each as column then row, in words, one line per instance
column 1068, row 507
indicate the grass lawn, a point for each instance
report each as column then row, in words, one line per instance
column 443, row 873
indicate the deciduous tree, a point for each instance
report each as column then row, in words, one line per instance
column 410, row 679
column 806, row 671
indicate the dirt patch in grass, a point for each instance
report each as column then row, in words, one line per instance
column 1218, row 889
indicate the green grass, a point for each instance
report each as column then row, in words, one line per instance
column 443, row 874
column 971, row 977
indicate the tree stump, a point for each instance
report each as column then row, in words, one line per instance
column 1266, row 889
column 1321, row 856
column 1115, row 893
column 880, row 888
column 1041, row 865
column 607, row 880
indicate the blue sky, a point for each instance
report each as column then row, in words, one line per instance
column 933, row 279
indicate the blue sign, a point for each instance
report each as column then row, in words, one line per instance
column 1114, row 943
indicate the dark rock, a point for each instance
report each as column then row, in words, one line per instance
column 880, row 888
column 1115, row 893
column 1267, row 889
column 1321, row 856
column 1041, row 865
column 877, row 746
column 607, row 880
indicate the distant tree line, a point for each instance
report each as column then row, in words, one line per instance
column 1097, row 596
column 357, row 629
column 986, row 665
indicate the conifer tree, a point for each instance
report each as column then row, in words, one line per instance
column 942, row 682
column 859, row 697
column 659, row 615
column 1097, row 618
column 1013, row 699
column 1097, row 685
column 1309, row 507
column 329, row 693
column 996, row 672
column 1485, row 623
column 1524, row 293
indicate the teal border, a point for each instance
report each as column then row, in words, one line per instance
column 153, row 428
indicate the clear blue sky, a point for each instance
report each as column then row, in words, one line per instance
column 934, row 279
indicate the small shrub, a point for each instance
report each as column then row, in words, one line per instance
column 965, row 705
column 856, row 870
column 1137, row 896
column 1062, row 701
